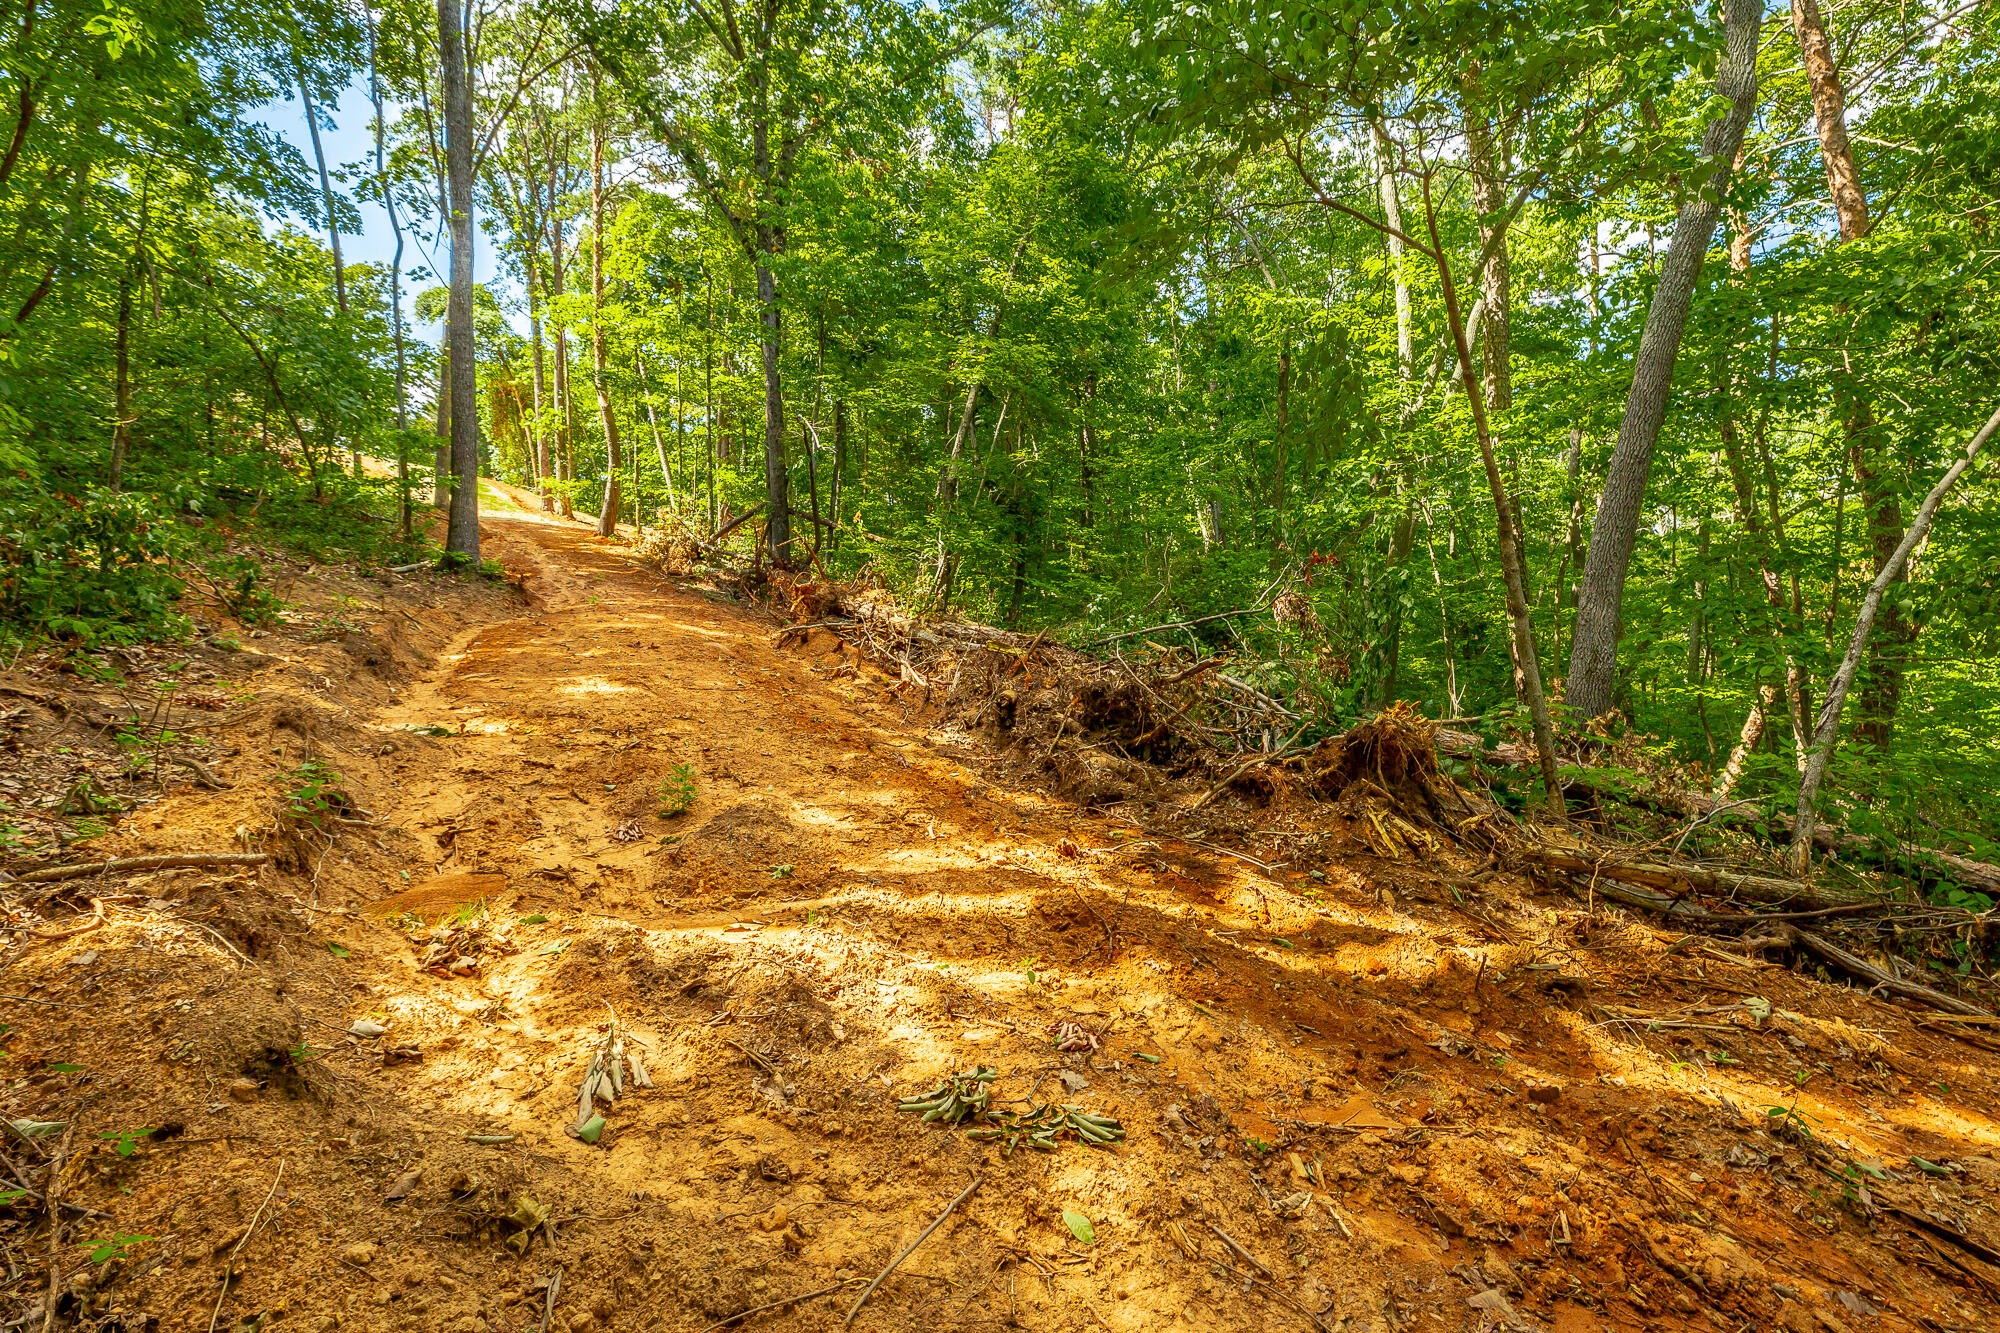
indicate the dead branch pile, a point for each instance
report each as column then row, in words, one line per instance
column 1110, row 727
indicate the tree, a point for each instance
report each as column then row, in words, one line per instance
column 1593, row 655
column 460, row 385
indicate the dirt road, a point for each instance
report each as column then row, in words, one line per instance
column 1351, row 1100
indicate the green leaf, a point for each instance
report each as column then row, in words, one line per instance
column 557, row 947
column 592, row 1129
column 534, row 919
column 338, row 950
column 1079, row 1226
column 67, row 1069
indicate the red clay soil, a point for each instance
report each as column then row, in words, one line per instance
column 1372, row 1094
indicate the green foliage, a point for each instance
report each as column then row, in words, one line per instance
column 676, row 791
column 313, row 796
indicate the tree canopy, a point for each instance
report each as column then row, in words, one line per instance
column 1556, row 367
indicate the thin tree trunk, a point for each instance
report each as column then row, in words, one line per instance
column 325, row 185
column 1593, row 658
column 542, row 462
column 395, row 285
column 653, row 421
column 121, row 387
column 1527, row 662
column 332, row 223
column 614, row 460
column 441, row 460
column 1392, row 212
column 1843, row 181
column 777, row 473
column 462, row 532
column 1489, row 200
column 1827, row 732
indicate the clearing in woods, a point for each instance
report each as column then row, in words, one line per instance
column 1376, row 1095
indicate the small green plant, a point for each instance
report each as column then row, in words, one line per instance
column 468, row 913
column 101, row 1250
column 1788, row 1122
column 128, row 1140
column 314, row 795
column 783, row 871
column 676, row 791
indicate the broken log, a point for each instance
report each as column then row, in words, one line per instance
column 1708, row 879
column 1981, row 875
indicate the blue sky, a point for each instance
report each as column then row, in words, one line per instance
column 352, row 141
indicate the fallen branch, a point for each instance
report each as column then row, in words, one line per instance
column 1172, row 624
column 229, row 1264
column 1866, row 970
column 1757, row 888
column 948, row 1210
column 176, row 861
column 1853, row 964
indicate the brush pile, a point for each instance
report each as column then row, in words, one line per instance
column 1108, row 728
column 1168, row 730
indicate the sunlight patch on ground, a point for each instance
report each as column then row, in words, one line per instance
column 585, row 685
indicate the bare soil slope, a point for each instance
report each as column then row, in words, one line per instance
column 1372, row 1093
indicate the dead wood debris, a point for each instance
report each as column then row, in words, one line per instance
column 1113, row 728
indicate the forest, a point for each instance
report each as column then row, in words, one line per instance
column 1127, row 665
column 1561, row 368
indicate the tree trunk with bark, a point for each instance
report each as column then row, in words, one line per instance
column 1593, row 658
column 462, row 530
column 614, row 459
column 1827, row 732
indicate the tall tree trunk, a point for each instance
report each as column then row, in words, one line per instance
column 121, row 385
column 1593, row 658
column 462, row 531
column 395, row 283
column 1882, row 679
column 1843, row 181
column 1527, row 661
column 1489, row 200
column 1827, row 731
column 777, row 471
column 614, row 460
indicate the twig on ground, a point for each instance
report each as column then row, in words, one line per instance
column 52, row 1203
column 1239, row 1251
column 229, row 1265
column 909, row 1250
column 120, row 866
column 549, row 1300
column 779, row 1305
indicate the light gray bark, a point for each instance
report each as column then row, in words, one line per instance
column 1827, row 730
column 1593, row 657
